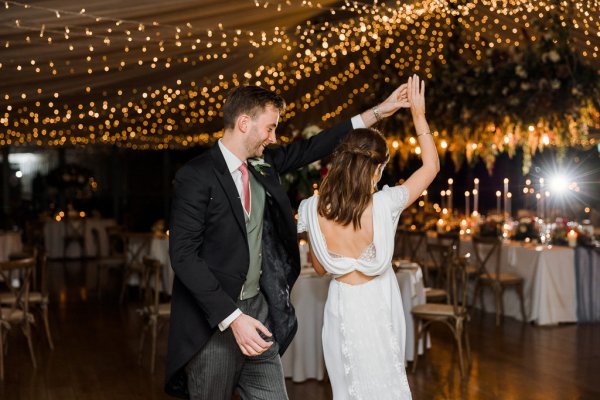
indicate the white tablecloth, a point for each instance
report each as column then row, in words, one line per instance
column 548, row 283
column 549, row 280
column 304, row 357
column 548, row 274
column 159, row 250
column 412, row 291
column 10, row 242
column 54, row 233
column 587, row 271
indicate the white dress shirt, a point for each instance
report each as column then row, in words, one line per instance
column 233, row 165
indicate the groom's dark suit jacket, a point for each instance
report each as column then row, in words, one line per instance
column 209, row 247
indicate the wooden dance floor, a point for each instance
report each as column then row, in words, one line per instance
column 95, row 355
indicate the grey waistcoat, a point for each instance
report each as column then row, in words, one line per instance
column 254, row 229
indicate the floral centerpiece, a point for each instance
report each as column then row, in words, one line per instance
column 491, row 227
column 526, row 229
column 560, row 235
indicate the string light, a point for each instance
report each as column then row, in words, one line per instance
column 170, row 115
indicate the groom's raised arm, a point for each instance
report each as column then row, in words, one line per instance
column 301, row 153
column 304, row 152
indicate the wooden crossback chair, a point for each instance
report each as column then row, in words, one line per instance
column 414, row 242
column 488, row 249
column 39, row 298
column 400, row 243
column 451, row 239
column 153, row 311
column 454, row 315
column 17, row 312
column 137, row 245
column 439, row 257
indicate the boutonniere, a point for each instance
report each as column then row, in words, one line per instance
column 260, row 165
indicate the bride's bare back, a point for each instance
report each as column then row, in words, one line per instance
column 346, row 242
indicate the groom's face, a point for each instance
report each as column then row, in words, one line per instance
column 262, row 131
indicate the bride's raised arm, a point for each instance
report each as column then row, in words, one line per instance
column 421, row 178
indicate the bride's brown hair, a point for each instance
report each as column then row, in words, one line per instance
column 346, row 190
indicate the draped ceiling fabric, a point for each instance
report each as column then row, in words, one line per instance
column 153, row 73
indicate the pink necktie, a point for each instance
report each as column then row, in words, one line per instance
column 246, row 184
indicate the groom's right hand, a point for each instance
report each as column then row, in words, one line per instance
column 245, row 330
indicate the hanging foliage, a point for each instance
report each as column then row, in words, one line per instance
column 530, row 96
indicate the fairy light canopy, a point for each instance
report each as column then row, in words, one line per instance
column 153, row 74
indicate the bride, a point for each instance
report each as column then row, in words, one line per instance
column 351, row 227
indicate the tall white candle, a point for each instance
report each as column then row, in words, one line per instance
column 451, row 194
column 542, row 211
column 498, row 194
column 476, row 195
column 508, row 208
column 467, row 205
column 505, row 196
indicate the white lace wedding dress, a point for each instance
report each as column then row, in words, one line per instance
column 363, row 329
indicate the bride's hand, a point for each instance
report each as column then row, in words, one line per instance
column 416, row 96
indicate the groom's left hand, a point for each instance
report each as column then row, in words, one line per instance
column 395, row 101
column 246, row 333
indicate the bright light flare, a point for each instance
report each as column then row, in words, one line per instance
column 559, row 183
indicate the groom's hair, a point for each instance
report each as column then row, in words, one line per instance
column 249, row 100
column 349, row 185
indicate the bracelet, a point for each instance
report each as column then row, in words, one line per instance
column 424, row 133
column 377, row 114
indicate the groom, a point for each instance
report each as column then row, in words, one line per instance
column 234, row 250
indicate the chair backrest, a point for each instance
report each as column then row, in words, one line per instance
column 152, row 282
column 487, row 249
column 440, row 255
column 116, row 245
column 458, row 283
column 399, row 245
column 136, row 245
column 451, row 239
column 74, row 227
column 21, row 271
column 115, row 241
column 39, row 276
column 414, row 241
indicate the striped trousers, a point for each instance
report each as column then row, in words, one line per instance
column 220, row 367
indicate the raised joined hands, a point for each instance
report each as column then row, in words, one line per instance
column 395, row 101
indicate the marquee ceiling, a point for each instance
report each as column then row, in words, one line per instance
column 153, row 74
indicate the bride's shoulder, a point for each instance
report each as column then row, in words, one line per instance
column 396, row 194
column 308, row 201
column 307, row 204
column 304, row 209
